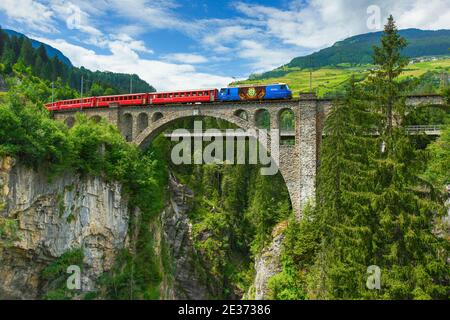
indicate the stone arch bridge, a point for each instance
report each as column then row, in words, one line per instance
column 298, row 161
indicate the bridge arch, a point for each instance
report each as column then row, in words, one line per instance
column 157, row 116
column 126, row 126
column 262, row 118
column 70, row 122
column 286, row 122
column 144, row 139
column 142, row 122
column 96, row 118
column 241, row 114
column 286, row 119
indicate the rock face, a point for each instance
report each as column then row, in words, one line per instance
column 267, row 264
column 177, row 231
column 54, row 217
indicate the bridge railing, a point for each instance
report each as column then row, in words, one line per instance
column 412, row 130
column 427, row 129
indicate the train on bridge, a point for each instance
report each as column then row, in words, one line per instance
column 278, row 91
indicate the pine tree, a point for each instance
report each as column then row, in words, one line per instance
column 27, row 53
column 387, row 92
column 343, row 211
column 406, row 249
column 3, row 38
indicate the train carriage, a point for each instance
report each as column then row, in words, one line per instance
column 123, row 100
column 256, row 92
column 190, row 96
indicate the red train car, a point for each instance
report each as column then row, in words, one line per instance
column 138, row 99
column 72, row 104
column 123, row 100
column 191, row 96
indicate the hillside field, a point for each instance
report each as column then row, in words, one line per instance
column 329, row 79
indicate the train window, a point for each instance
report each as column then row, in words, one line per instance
column 283, row 87
column 200, row 94
column 171, row 96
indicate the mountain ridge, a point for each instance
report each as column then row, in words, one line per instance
column 357, row 50
column 49, row 64
column 51, row 51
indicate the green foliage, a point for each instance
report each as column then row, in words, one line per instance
column 438, row 170
column 373, row 207
column 300, row 247
column 59, row 267
column 426, row 115
column 56, row 275
column 8, row 230
column 18, row 48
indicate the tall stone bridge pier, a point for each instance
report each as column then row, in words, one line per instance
column 298, row 161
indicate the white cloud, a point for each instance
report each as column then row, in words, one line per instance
column 263, row 58
column 162, row 75
column 320, row 23
column 125, row 40
column 186, row 58
column 155, row 14
column 74, row 17
column 32, row 14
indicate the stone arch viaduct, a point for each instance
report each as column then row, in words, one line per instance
column 298, row 161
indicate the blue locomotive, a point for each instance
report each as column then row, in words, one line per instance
column 255, row 92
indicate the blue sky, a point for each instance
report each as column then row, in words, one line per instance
column 175, row 44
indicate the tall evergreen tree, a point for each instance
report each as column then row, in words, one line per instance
column 27, row 53
column 406, row 249
column 343, row 210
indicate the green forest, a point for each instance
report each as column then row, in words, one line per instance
column 380, row 198
column 18, row 49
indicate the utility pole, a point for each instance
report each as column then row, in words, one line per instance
column 310, row 74
column 444, row 80
column 81, row 93
column 53, row 91
column 131, row 84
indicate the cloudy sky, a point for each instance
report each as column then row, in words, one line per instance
column 175, row 44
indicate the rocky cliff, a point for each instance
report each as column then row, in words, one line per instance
column 70, row 212
column 53, row 217
column 187, row 281
column 267, row 265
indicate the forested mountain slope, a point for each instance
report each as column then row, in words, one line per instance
column 50, row 64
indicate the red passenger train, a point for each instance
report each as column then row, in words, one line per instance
column 137, row 99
